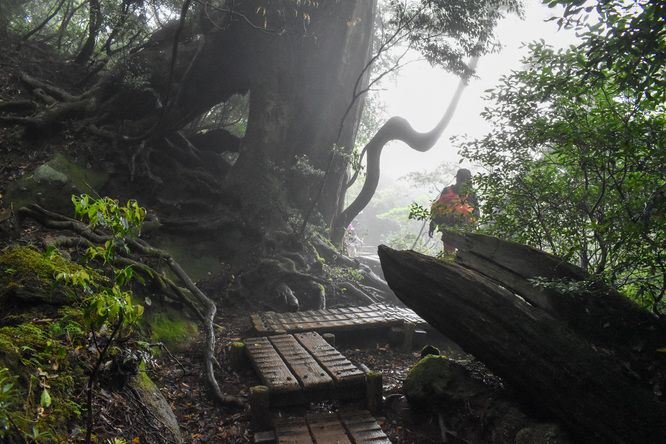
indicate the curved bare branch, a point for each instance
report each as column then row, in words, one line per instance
column 398, row 128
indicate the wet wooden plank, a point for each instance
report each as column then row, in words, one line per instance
column 303, row 368
column 357, row 427
column 272, row 370
column 267, row 437
column 349, row 318
column 292, row 431
column 302, row 364
column 363, row 428
column 327, row 428
column 401, row 314
column 345, row 375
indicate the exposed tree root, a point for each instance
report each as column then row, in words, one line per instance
column 57, row 221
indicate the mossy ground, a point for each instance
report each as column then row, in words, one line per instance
column 46, row 350
column 17, row 264
column 46, row 355
column 28, row 284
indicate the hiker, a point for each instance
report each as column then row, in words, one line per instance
column 352, row 241
column 455, row 206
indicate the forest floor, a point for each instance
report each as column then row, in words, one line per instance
column 179, row 375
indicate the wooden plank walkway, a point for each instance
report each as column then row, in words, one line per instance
column 326, row 427
column 303, row 367
column 293, row 431
column 358, row 427
column 311, row 376
column 335, row 319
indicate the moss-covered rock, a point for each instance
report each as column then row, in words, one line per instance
column 507, row 424
column 27, row 278
column 198, row 258
column 428, row 381
column 151, row 397
column 547, row 433
column 170, row 327
column 52, row 184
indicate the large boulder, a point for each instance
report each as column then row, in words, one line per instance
column 470, row 403
column 52, row 184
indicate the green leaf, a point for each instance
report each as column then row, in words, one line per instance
column 45, row 400
column 51, row 252
column 7, row 387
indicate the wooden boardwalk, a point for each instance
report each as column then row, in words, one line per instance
column 326, row 428
column 303, row 367
column 335, row 319
column 297, row 365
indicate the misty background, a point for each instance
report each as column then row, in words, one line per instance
column 421, row 93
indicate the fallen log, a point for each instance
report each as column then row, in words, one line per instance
column 538, row 355
column 597, row 313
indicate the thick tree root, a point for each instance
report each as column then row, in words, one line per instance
column 57, row 221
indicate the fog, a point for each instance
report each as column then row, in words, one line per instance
column 421, row 94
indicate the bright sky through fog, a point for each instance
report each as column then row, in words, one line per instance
column 423, row 93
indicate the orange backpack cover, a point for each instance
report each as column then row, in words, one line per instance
column 451, row 209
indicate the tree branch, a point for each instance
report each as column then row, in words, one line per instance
column 398, row 128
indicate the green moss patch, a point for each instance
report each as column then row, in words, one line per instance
column 27, row 277
column 171, row 328
column 197, row 258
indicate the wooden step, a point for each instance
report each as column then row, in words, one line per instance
column 303, row 367
column 273, row 371
column 363, row 428
column 311, row 376
column 326, row 427
column 342, row 371
column 358, row 427
column 293, row 431
column 335, row 319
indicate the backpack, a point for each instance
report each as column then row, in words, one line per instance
column 451, row 210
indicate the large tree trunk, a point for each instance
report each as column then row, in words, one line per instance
column 301, row 87
column 551, row 361
column 93, row 30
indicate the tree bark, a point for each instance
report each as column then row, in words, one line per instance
column 537, row 354
column 603, row 316
column 94, row 25
column 301, row 86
